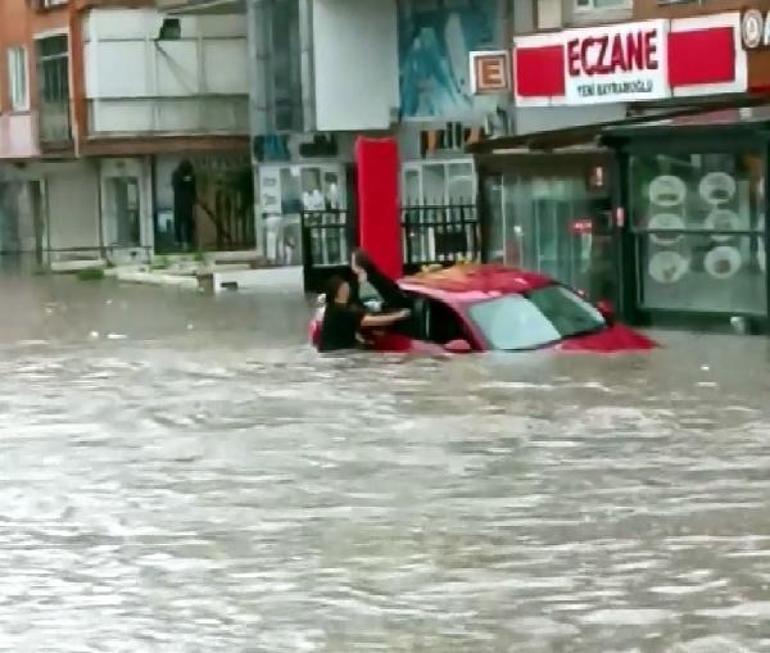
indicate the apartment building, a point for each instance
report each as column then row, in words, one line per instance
column 119, row 124
column 38, row 168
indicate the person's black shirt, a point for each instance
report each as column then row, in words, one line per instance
column 339, row 328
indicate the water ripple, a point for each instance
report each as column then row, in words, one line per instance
column 186, row 490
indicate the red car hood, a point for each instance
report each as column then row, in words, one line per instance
column 616, row 338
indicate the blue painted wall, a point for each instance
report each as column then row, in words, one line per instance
column 435, row 38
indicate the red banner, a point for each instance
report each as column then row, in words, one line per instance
column 378, row 214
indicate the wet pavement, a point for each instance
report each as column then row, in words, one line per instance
column 181, row 473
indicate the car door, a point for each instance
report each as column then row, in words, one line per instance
column 443, row 324
column 410, row 335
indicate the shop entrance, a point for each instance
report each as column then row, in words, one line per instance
column 125, row 211
column 556, row 225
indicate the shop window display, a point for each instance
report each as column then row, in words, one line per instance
column 700, row 232
column 317, row 190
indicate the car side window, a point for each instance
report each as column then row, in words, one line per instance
column 443, row 324
column 414, row 325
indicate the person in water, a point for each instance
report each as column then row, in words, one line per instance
column 343, row 320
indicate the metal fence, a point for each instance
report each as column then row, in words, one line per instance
column 431, row 234
column 328, row 239
column 440, row 234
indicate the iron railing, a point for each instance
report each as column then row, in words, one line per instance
column 437, row 234
column 328, row 239
column 432, row 234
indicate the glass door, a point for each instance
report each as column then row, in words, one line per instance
column 547, row 227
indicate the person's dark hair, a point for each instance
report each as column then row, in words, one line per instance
column 362, row 259
column 333, row 287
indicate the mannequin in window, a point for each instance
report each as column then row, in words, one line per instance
column 185, row 198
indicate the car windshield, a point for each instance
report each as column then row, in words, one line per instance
column 535, row 319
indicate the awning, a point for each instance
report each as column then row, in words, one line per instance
column 728, row 111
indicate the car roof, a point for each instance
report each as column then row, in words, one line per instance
column 473, row 282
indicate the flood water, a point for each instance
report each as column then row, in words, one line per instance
column 181, row 473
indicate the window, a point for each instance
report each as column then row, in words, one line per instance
column 442, row 323
column 286, row 73
column 53, row 80
column 48, row 4
column 699, row 229
column 534, row 320
column 17, row 78
column 432, row 321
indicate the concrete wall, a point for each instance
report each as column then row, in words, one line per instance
column 18, row 136
column 356, row 64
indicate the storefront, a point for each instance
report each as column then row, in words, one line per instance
column 289, row 190
column 692, row 200
column 675, row 233
column 551, row 212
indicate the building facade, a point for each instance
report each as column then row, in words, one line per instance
column 695, row 252
column 324, row 71
column 681, row 233
column 102, row 102
column 37, row 144
column 170, row 132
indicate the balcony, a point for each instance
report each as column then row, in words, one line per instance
column 201, row 7
column 192, row 84
column 212, row 115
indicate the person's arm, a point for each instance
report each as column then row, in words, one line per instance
column 388, row 289
column 374, row 321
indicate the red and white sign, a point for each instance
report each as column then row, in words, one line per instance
column 628, row 62
column 706, row 56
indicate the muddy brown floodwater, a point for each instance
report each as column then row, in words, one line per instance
column 181, row 473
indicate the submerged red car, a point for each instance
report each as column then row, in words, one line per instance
column 477, row 308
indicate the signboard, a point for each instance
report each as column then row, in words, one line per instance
column 490, row 72
column 622, row 63
column 626, row 62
